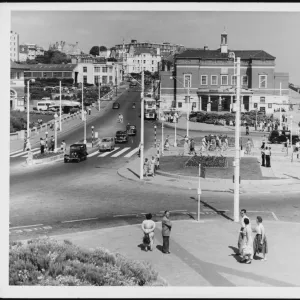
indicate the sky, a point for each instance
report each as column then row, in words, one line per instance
column 273, row 32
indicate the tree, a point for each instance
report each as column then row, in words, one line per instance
column 94, row 51
column 59, row 58
column 103, row 48
column 31, row 61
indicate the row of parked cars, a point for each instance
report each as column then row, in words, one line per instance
column 277, row 137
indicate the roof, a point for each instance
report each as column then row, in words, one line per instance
column 52, row 67
column 216, row 54
column 14, row 65
column 138, row 51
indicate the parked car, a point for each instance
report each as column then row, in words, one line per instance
column 107, row 143
column 131, row 129
column 116, row 105
column 121, row 137
column 276, row 138
column 78, row 152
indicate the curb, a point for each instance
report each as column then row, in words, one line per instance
column 46, row 160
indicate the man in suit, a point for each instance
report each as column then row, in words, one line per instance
column 166, row 231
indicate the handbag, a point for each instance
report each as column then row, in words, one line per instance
column 146, row 239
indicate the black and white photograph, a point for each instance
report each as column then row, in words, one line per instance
column 154, row 148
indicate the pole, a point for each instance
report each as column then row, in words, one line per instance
column 256, row 119
column 155, row 136
column 55, row 135
column 188, row 110
column 60, row 106
column 162, row 137
column 237, row 147
column 99, row 85
column 84, row 128
column 175, row 138
column 142, row 130
column 28, row 130
column 199, row 193
column 82, row 102
column 92, row 136
column 280, row 118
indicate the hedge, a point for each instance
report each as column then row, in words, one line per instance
column 207, row 161
column 47, row 262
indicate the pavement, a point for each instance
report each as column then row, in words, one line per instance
column 67, row 125
column 203, row 253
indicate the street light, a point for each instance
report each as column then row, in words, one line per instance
column 92, row 135
column 162, row 135
column 82, row 115
column 55, row 132
column 99, row 96
column 237, row 138
column 60, row 106
column 175, row 137
column 28, row 106
column 84, row 120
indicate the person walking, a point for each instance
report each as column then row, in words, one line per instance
column 247, row 249
column 268, row 156
column 297, row 148
column 248, row 147
column 152, row 166
column 42, row 145
column 146, row 167
column 63, row 146
column 28, row 145
column 157, row 162
column 260, row 243
column 247, row 129
column 263, row 156
column 148, row 227
column 241, row 232
column 52, row 144
column 166, row 231
column 192, row 147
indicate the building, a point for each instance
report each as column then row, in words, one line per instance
column 17, row 85
column 30, row 51
column 208, row 77
column 14, row 46
column 67, row 48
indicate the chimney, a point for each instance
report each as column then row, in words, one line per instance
column 205, row 47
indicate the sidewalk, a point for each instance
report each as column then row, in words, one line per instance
column 69, row 124
column 203, row 254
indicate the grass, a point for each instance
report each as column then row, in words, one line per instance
column 46, row 155
column 249, row 168
column 47, row 262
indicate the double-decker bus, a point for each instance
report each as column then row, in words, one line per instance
column 150, row 109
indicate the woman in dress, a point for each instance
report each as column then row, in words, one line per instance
column 247, row 250
column 268, row 155
column 148, row 227
column 146, row 167
column 263, row 156
column 260, row 244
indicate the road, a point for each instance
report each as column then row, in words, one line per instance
column 58, row 192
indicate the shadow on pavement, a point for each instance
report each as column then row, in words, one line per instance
column 159, row 248
column 235, row 254
column 138, row 176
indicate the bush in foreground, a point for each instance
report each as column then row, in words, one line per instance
column 52, row 263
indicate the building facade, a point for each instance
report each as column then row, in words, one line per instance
column 17, row 86
column 208, row 79
column 30, row 51
column 14, row 46
column 67, row 48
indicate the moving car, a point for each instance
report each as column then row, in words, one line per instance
column 133, row 83
column 116, row 105
column 77, row 152
column 131, row 129
column 121, row 137
column 275, row 138
column 107, row 143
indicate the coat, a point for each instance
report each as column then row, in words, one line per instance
column 166, row 226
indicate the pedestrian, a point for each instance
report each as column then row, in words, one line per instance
column 247, row 249
column 297, row 148
column 241, row 232
column 248, row 147
column 42, row 145
column 192, row 147
column 166, row 231
column 146, row 167
column 152, row 166
column 247, row 129
column 25, row 142
column 204, row 143
column 268, row 157
column 167, row 144
column 52, row 143
column 28, row 145
column 148, row 227
column 263, row 156
column 260, row 243
column 63, row 146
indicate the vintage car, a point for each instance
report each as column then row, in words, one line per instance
column 107, row 143
column 276, row 138
column 131, row 129
column 121, row 137
column 77, row 152
column 116, row 105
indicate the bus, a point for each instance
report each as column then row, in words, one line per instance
column 150, row 109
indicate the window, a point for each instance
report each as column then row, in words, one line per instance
column 245, row 80
column 262, row 81
column 20, row 102
column 84, row 79
column 214, row 80
column 224, row 79
column 138, row 61
column 27, row 74
column 110, row 79
column 179, row 104
column 187, row 80
column 12, row 75
column 104, row 69
column 57, row 74
column 203, row 79
column 269, row 105
column 104, row 79
column 233, row 80
column 262, row 100
column 194, row 104
column 110, row 70
column 255, row 105
column 84, row 69
column 144, row 61
column 96, row 79
column 152, row 62
column 97, row 69
column 67, row 74
column 152, row 69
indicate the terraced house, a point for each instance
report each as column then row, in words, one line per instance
column 207, row 78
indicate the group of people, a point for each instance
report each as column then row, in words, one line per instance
column 211, row 142
column 45, row 147
column 248, row 247
column 120, row 118
column 265, row 155
column 148, row 227
column 151, row 165
column 171, row 117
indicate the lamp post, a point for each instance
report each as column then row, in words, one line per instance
column 84, row 120
column 82, row 115
column 55, row 132
column 92, row 135
column 199, row 193
column 162, row 135
column 46, row 133
column 28, row 107
column 155, row 136
column 188, row 110
column 256, row 119
column 142, row 130
column 99, row 86
column 60, row 106
column 175, row 134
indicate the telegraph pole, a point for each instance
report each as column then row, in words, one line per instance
column 142, row 130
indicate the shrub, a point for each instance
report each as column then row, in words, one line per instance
column 46, row 155
column 207, row 162
column 48, row 262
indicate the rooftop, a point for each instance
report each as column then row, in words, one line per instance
column 14, row 65
column 51, row 67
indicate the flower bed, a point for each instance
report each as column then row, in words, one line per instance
column 207, row 162
column 46, row 155
column 47, row 262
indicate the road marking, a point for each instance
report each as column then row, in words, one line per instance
column 15, row 152
column 47, row 227
column 25, row 226
column 23, row 152
column 27, row 230
column 124, row 215
column 132, row 152
column 79, row 220
column 274, row 216
column 120, row 152
column 107, row 153
column 93, row 154
column 33, row 152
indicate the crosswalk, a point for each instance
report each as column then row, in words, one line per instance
column 24, row 153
